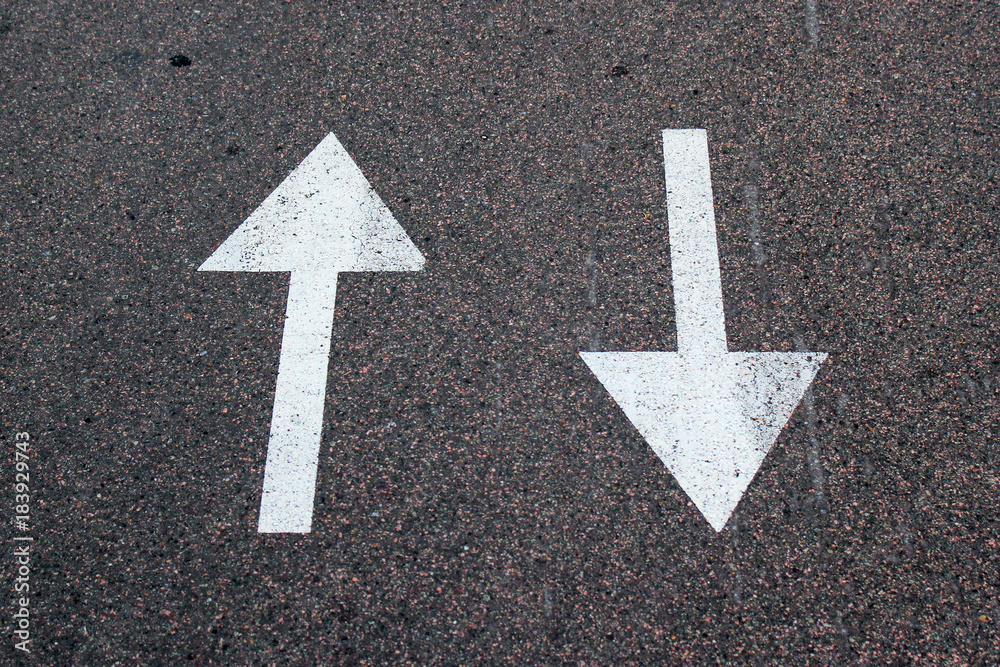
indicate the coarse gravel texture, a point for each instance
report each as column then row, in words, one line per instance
column 481, row 499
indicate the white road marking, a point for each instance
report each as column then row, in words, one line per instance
column 299, row 396
column 710, row 415
column 324, row 218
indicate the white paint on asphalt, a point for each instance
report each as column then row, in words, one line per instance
column 694, row 255
column 286, row 504
column 324, row 218
column 710, row 415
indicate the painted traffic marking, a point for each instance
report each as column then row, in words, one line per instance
column 711, row 415
column 324, row 218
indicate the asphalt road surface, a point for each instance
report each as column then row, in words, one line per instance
column 481, row 499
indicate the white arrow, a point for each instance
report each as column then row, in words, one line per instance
column 324, row 218
column 710, row 415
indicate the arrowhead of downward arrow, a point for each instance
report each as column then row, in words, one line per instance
column 711, row 419
column 323, row 217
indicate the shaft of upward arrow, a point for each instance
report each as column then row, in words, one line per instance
column 286, row 505
column 694, row 253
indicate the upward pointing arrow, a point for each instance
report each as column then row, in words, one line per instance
column 709, row 414
column 322, row 219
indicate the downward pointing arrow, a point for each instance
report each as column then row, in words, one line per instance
column 322, row 219
column 710, row 415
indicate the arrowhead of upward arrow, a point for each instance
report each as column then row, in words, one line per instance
column 710, row 415
column 322, row 219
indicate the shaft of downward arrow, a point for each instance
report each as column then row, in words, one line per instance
column 694, row 252
column 286, row 504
